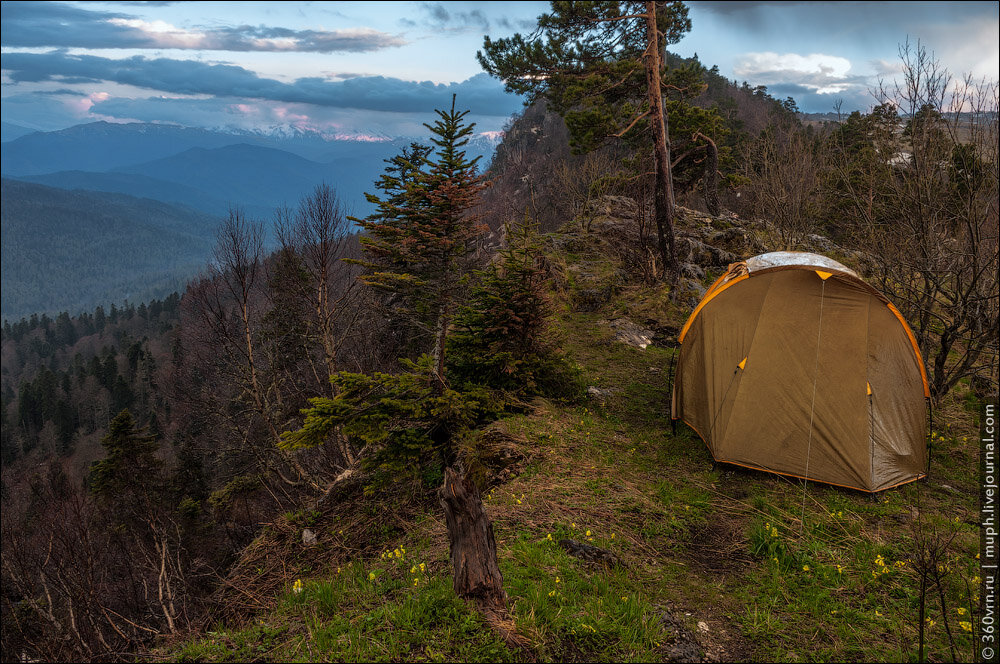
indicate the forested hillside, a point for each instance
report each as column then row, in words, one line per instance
column 440, row 429
column 71, row 250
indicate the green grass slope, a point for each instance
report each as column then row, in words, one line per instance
column 718, row 564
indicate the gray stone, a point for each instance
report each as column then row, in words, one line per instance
column 692, row 271
column 599, row 394
column 631, row 334
column 308, row 537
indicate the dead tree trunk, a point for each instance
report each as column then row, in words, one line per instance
column 711, row 179
column 475, row 571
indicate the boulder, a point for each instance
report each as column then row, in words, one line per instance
column 631, row 334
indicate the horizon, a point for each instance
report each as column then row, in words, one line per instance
column 366, row 71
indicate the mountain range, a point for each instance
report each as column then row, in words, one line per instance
column 209, row 170
column 100, row 192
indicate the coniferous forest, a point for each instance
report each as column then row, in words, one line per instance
column 427, row 432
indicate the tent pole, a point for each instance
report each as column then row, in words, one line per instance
column 812, row 407
column 930, row 436
column 670, row 391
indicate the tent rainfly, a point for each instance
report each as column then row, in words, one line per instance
column 793, row 365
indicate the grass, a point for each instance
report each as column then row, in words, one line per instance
column 727, row 555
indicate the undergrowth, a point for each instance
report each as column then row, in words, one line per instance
column 751, row 565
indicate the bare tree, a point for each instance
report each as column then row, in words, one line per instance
column 932, row 235
column 315, row 239
column 228, row 304
column 783, row 166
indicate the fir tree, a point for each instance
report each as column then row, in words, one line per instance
column 501, row 338
column 131, row 463
column 420, row 241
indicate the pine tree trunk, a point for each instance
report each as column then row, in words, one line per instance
column 661, row 147
column 475, row 571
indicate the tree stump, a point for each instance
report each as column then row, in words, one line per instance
column 475, row 571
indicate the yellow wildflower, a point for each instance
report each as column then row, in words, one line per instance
column 573, row 526
column 805, row 568
column 371, row 576
column 423, row 567
column 588, row 533
column 930, row 623
column 297, row 586
column 549, row 537
column 774, row 532
column 961, row 610
column 840, row 570
column 416, row 581
column 967, row 626
column 518, row 501
column 413, row 570
column 975, row 579
column 877, row 614
column 557, row 579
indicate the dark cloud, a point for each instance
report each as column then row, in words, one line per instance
column 730, row 8
column 61, row 92
column 480, row 93
column 439, row 17
column 809, row 101
column 832, row 13
column 40, row 24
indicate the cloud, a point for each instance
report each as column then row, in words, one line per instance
column 817, row 72
column 38, row 24
column 439, row 16
column 481, row 94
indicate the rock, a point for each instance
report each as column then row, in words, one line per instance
column 732, row 239
column 692, row 271
column 692, row 250
column 819, row 242
column 598, row 394
column 685, row 647
column 692, row 290
column 591, row 553
column 631, row 334
column 308, row 537
column 620, row 207
column 702, row 626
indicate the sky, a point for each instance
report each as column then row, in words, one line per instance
column 371, row 70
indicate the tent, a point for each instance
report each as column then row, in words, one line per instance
column 793, row 365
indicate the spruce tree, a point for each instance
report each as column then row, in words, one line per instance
column 420, row 241
column 131, row 463
column 419, row 247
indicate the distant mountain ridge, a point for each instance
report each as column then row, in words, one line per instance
column 208, row 170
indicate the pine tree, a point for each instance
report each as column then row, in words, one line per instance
column 600, row 66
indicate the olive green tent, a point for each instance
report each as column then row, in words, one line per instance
column 794, row 365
